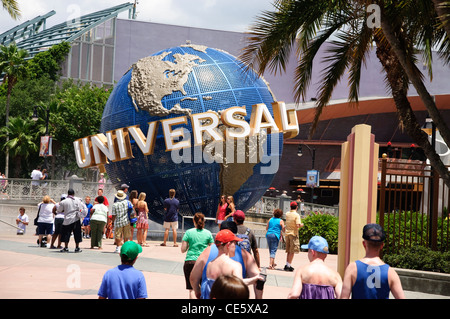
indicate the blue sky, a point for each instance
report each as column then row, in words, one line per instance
column 230, row 15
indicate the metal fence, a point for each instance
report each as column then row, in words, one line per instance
column 266, row 205
column 413, row 205
column 31, row 190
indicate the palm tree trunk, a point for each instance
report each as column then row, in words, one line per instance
column 399, row 85
column 415, row 78
column 7, row 135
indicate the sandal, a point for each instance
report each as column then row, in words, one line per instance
column 162, row 244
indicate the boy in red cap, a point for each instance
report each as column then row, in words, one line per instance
column 222, row 264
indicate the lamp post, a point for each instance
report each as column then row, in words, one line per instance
column 35, row 117
column 312, row 151
column 430, row 128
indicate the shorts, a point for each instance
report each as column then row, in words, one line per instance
column 292, row 244
column 167, row 225
column 122, row 232
column 66, row 230
column 187, row 269
column 45, row 228
column 58, row 226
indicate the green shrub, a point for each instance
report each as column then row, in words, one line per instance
column 323, row 225
column 419, row 258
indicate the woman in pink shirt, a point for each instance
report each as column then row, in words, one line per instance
column 221, row 210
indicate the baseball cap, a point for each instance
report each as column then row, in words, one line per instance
column 225, row 236
column 294, row 203
column 317, row 243
column 123, row 186
column 130, row 249
column 239, row 215
column 374, row 232
column 231, row 225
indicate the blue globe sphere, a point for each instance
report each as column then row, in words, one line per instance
column 201, row 79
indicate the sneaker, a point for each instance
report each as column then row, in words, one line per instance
column 117, row 249
column 78, row 250
column 64, row 250
column 288, row 268
column 104, row 236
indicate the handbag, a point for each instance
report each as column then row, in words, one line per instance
column 35, row 222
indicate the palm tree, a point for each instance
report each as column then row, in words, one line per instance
column 22, row 142
column 12, row 7
column 13, row 68
column 306, row 25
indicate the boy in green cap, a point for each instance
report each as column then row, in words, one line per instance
column 124, row 281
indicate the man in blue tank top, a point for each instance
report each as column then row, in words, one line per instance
column 370, row 277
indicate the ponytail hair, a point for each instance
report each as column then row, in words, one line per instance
column 199, row 220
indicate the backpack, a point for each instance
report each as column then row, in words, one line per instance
column 245, row 243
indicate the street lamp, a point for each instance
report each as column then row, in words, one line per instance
column 35, row 117
column 312, row 151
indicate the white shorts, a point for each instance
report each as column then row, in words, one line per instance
column 167, row 225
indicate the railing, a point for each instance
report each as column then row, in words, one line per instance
column 413, row 206
column 266, row 205
column 32, row 190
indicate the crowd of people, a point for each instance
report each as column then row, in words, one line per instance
column 220, row 266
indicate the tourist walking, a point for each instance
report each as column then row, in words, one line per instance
column 124, row 281
column 316, row 280
column 248, row 237
column 171, row 207
column 293, row 224
column 274, row 228
column 74, row 211
column 45, row 220
column 120, row 219
column 231, row 208
column 99, row 217
column 370, row 277
column 221, row 209
column 142, row 219
column 194, row 242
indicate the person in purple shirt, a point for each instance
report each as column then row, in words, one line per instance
column 171, row 207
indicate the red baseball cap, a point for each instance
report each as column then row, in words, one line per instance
column 239, row 215
column 294, row 203
column 225, row 236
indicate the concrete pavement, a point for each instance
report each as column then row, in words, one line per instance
column 30, row 272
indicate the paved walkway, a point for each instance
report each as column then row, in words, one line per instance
column 28, row 271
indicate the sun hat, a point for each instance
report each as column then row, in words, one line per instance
column 121, row 195
column 130, row 249
column 374, row 232
column 225, row 236
column 317, row 243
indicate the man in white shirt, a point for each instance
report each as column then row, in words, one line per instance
column 74, row 211
column 36, row 176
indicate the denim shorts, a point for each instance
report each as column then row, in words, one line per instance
column 45, row 228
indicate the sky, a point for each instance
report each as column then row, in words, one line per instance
column 229, row 15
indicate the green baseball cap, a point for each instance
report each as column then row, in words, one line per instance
column 130, row 249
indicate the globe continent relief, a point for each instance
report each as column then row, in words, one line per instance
column 182, row 81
